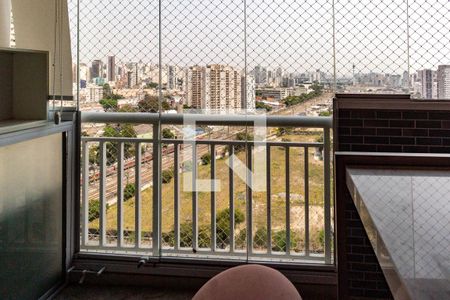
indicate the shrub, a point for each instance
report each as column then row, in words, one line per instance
column 187, row 166
column 167, row 175
column 94, row 210
column 223, row 225
column 206, row 159
column 260, row 238
column 129, row 191
column 241, row 239
column 284, row 130
column 279, row 241
column 167, row 134
column 204, row 236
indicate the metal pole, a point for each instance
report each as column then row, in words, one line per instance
column 156, row 224
column 327, row 193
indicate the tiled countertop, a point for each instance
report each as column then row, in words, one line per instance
column 406, row 214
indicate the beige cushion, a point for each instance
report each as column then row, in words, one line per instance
column 248, row 282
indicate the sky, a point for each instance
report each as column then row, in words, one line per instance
column 297, row 35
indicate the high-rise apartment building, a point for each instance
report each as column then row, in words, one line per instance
column 214, row 87
column 195, row 86
column 426, row 79
column 222, row 88
column 96, row 68
column 248, row 93
column 132, row 75
column 111, row 68
column 443, row 82
column 172, row 78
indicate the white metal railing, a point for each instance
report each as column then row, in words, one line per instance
column 101, row 238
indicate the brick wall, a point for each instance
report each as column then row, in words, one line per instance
column 378, row 123
column 385, row 130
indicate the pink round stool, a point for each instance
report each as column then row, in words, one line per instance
column 248, row 282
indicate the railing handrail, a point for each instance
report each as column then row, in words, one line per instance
column 201, row 142
column 211, row 119
column 154, row 119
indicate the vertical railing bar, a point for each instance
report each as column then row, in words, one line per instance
column 156, row 222
column 85, row 195
column 327, row 190
column 249, row 201
column 120, row 159
column 269, row 203
column 102, row 194
column 176, row 196
column 288, row 202
column 137, row 195
column 231, row 192
column 213, row 198
column 194, row 198
column 306, row 194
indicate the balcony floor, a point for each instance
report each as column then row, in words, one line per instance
column 99, row 292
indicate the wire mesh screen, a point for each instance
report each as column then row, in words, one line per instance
column 371, row 45
column 278, row 48
column 284, row 57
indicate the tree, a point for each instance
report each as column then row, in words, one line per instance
column 262, row 105
column 127, row 108
column 109, row 104
column 165, row 105
column 317, row 88
column 151, row 85
column 167, row 134
column 119, row 130
column 115, row 96
column 128, row 191
column 149, row 104
column 106, row 90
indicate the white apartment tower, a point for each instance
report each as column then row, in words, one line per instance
column 222, row 88
column 214, row 87
column 248, row 98
column 443, row 82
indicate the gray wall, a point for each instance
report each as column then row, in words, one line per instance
column 31, row 217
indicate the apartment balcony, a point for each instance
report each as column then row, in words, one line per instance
column 167, row 234
column 170, row 219
column 338, row 190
